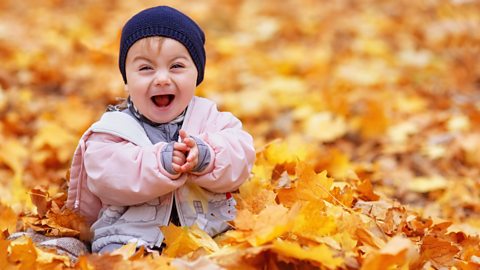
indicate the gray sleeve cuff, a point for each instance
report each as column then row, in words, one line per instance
column 167, row 158
column 203, row 155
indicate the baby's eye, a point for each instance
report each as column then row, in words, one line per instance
column 144, row 68
column 178, row 65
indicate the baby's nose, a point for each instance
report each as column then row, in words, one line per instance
column 162, row 77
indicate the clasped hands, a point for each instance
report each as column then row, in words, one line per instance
column 185, row 154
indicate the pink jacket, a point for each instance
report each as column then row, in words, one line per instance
column 116, row 164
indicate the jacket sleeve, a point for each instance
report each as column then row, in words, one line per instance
column 122, row 173
column 232, row 155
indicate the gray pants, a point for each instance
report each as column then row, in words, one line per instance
column 110, row 248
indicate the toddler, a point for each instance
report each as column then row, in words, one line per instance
column 167, row 156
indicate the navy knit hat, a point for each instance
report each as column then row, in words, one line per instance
column 168, row 22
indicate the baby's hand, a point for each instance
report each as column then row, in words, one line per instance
column 178, row 159
column 191, row 152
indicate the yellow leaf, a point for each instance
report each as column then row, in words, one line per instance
column 325, row 126
column 52, row 259
column 13, row 154
column 23, row 252
column 367, row 237
column 313, row 222
column 8, row 218
column 320, row 254
column 183, row 240
column 153, row 262
column 427, row 184
column 290, row 150
column 255, row 195
column 339, row 166
column 54, row 136
column 126, row 251
column 311, row 185
column 459, row 123
column 265, row 230
column 3, row 252
column 398, row 252
column 67, row 114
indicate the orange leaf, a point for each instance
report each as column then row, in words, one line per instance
column 3, row 252
column 365, row 188
column 320, row 254
column 183, row 240
column 8, row 218
column 397, row 252
column 41, row 200
column 440, row 251
column 24, row 252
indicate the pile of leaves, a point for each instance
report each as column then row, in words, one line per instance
column 365, row 117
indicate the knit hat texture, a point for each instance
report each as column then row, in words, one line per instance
column 167, row 22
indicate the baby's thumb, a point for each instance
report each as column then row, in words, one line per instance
column 183, row 134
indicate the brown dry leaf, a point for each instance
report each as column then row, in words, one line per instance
column 365, row 188
column 366, row 237
column 40, row 198
column 441, row 252
column 106, row 261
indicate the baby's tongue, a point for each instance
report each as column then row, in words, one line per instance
column 162, row 100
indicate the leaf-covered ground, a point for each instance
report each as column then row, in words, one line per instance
column 365, row 114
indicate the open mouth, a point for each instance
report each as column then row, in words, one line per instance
column 163, row 100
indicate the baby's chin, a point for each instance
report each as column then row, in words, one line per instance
column 162, row 116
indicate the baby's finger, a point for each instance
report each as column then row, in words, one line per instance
column 189, row 142
column 188, row 166
column 192, row 155
column 177, row 168
column 181, row 147
column 183, row 134
column 178, row 153
column 178, row 160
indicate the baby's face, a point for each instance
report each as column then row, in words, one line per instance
column 161, row 77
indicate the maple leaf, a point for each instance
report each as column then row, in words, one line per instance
column 8, row 218
column 264, row 231
column 397, row 253
column 40, row 198
column 320, row 254
column 312, row 186
column 441, row 252
column 255, row 195
column 365, row 188
column 4, row 244
column 183, row 240
column 313, row 222
column 23, row 252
